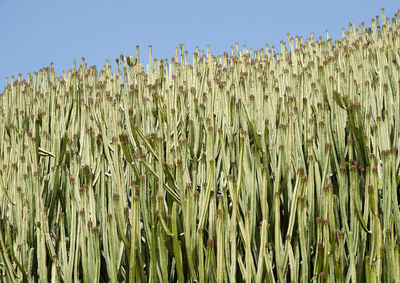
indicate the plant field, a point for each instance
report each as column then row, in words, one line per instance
column 253, row 166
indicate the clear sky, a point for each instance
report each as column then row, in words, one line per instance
column 37, row 32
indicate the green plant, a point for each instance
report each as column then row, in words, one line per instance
column 257, row 166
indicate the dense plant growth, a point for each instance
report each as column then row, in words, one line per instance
column 252, row 166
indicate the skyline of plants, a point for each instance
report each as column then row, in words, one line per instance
column 253, row 165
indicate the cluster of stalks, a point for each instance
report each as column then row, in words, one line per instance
column 254, row 166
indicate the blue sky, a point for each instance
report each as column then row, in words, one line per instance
column 35, row 33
